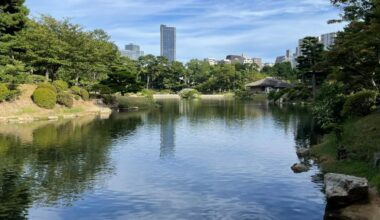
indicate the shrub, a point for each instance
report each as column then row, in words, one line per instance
column 65, row 99
column 60, row 85
column 243, row 95
column 359, row 104
column 81, row 92
column 329, row 104
column 44, row 98
column 101, row 89
column 4, row 92
column 109, row 99
column 84, row 94
column 148, row 93
column 76, row 89
column 189, row 94
column 47, row 85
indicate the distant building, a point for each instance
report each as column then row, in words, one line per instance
column 168, row 42
column 211, row 61
column 268, row 64
column 289, row 57
column 245, row 60
column 132, row 51
column 267, row 85
column 328, row 40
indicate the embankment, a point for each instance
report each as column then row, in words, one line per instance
column 24, row 109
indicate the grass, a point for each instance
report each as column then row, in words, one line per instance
column 26, row 110
column 72, row 110
column 362, row 139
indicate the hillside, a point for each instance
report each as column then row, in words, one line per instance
column 23, row 109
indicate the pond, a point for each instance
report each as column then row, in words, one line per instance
column 214, row 159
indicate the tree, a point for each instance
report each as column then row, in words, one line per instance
column 123, row 77
column 13, row 18
column 312, row 52
column 355, row 57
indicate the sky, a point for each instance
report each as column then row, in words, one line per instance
column 205, row 28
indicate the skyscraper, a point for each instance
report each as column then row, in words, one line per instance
column 168, row 42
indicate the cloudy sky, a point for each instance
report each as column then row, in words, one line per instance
column 205, row 28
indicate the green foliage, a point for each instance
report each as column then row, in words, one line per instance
column 65, row 99
column 243, row 94
column 61, row 85
column 81, row 92
column 359, row 104
column 276, row 95
column 329, row 104
column 47, row 86
column 101, row 89
column 189, row 94
column 44, row 98
column 148, row 93
column 361, row 138
column 4, row 92
column 282, row 70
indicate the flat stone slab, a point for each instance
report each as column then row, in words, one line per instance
column 343, row 190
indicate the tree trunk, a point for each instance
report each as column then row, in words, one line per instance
column 47, row 75
column 314, row 86
column 147, row 82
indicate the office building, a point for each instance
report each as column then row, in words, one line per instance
column 168, row 42
column 132, row 51
column 328, row 40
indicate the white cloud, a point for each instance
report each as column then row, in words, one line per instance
column 206, row 28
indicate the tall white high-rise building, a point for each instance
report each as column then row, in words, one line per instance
column 328, row 40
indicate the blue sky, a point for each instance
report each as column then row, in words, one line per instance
column 205, row 28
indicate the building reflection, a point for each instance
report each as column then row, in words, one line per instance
column 168, row 116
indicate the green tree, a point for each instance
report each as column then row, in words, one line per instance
column 308, row 63
column 13, row 18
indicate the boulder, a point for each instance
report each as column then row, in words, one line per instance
column 303, row 152
column 343, row 190
column 299, row 168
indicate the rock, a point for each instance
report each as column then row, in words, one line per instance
column 299, row 168
column 303, row 152
column 53, row 118
column 343, row 190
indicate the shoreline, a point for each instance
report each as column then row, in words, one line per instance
column 24, row 110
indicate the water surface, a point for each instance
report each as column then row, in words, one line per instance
column 185, row 160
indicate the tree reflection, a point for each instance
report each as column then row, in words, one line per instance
column 61, row 161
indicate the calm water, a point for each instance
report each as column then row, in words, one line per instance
column 186, row 160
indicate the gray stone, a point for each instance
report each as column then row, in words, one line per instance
column 303, row 152
column 299, row 168
column 343, row 190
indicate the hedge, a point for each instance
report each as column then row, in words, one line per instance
column 60, row 85
column 47, row 85
column 359, row 104
column 4, row 92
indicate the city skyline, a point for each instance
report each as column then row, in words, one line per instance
column 204, row 28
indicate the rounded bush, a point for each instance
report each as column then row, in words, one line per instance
column 81, row 92
column 84, row 94
column 4, row 92
column 44, row 98
column 359, row 104
column 65, row 99
column 60, row 85
column 47, row 85
column 189, row 93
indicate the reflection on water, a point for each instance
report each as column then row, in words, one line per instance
column 190, row 159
